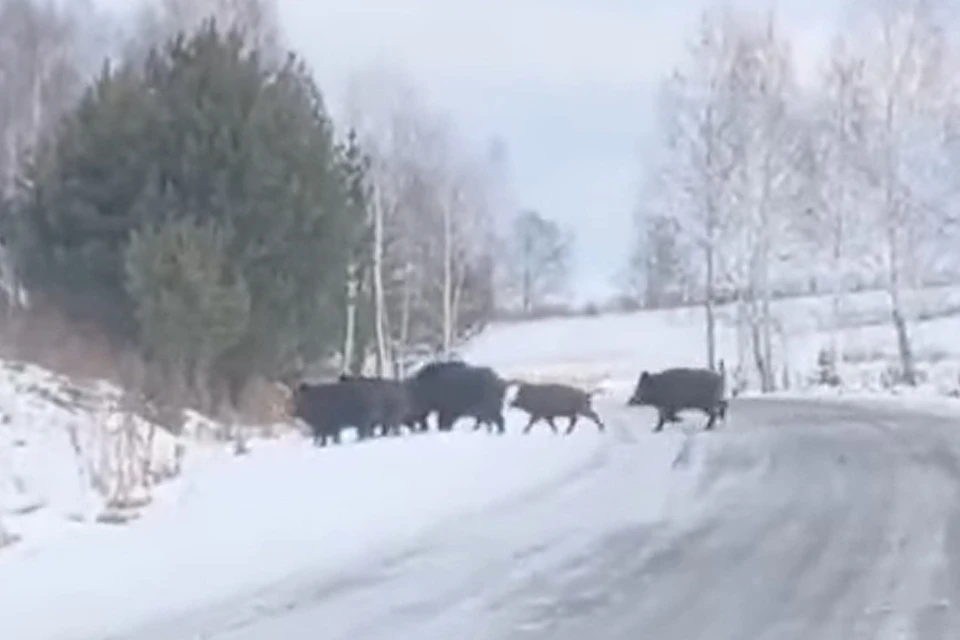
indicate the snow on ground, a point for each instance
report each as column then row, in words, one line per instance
column 234, row 525
column 611, row 350
column 229, row 525
column 58, row 439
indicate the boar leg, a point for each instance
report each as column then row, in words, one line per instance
column 590, row 414
column 553, row 425
column 663, row 414
column 499, row 423
column 712, row 420
column 445, row 421
column 533, row 419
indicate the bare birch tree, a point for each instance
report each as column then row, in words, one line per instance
column 540, row 257
column 433, row 195
column 451, row 203
column 666, row 281
column 698, row 116
column 767, row 179
column 46, row 52
column 379, row 310
column 835, row 228
column 906, row 69
column 455, row 216
column 730, row 175
column 386, row 110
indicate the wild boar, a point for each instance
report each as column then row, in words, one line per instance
column 454, row 390
column 388, row 401
column 550, row 401
column 676, row 389
column 330, row 407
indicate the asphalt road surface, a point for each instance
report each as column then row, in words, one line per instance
column 804, row 521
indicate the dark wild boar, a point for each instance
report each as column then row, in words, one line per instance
column 456, row 389
column 387, row 400
column 550, row 401
column 421, row 390
column 676, row 389
column 328, row 408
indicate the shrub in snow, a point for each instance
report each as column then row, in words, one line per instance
column 827, row 368
column 741, row 381
column 122, row 457
column 892, row 376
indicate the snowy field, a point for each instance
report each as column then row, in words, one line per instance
column 212, row 525
column 611, row 350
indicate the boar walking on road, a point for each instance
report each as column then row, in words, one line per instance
column 328, row 408
column 388, row 401
column 676, row 389
column 454, row 390
column 550, row 401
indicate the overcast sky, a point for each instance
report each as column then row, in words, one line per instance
column 568, row 85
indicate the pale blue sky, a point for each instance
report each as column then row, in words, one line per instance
column 568, row 85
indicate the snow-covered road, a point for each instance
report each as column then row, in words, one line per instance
column 798, row 520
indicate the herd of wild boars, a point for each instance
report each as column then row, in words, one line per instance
column 451, row 390
column 380, row 406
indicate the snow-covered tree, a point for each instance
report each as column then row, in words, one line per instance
column 666, row 271
column 47, row 50
column 835, row 228
column 767, row 181
column 733, row 172
column 905, row 46
column 540, row 251
column 435, row 197
column 700, row 152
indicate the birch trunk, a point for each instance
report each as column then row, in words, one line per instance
column 448, row 278
column 349, row 340
column 378, row 297
column 709, row 309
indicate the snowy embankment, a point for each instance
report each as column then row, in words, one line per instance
column 70, row 457
column 214, row 526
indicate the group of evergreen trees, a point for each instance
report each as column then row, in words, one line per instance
column 199, row 203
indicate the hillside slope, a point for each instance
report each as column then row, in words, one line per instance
column 616, row 347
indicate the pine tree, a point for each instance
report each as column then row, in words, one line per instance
column 190, row 304
column 199, row 149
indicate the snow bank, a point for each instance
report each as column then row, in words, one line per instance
column 235, row 524
column 58, row 440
